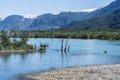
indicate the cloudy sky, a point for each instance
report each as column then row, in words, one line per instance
column 38, row 7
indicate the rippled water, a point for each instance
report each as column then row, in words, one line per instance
column 82, row 52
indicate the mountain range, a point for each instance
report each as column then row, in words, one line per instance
column 48, row 21
column 106, row 22
column 102, row 18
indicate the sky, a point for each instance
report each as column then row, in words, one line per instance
column 38, row 7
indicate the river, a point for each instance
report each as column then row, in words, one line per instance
column 82, row 52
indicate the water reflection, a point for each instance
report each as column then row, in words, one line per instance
column 42, row 51
column 64, row 57
column 5, row 57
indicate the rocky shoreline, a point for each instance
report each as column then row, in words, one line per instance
column 99, row 72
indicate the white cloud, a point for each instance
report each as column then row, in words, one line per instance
column 30, row 16
column 89, row 10
column 85, row 10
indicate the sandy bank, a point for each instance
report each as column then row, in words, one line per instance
column 102, row 72
column 15, row 51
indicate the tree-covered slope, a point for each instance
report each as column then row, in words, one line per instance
column 47, row 21
column 109, row 21
column 107, row 9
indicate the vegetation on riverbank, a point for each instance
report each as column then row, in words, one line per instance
column 82, row 34
column 7, row 45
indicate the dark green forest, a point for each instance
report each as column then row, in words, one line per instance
column 81, row 34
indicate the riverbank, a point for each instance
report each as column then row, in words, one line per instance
column 102, row 72
column 15, row 51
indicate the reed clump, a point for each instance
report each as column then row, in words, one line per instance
column 43, row 47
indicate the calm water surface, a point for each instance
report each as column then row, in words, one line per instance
column 82, row 52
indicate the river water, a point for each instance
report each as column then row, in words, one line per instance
column 82, row 52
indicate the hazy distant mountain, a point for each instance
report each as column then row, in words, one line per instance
column 104, row 18
column 42, row 22
column 48, row 21
column 0, row 20
column 15, row 22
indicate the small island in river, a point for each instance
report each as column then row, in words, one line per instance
column 14, row 46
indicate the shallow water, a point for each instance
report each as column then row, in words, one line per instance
column 82, row 52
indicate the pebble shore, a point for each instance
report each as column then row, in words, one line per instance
column 101, row 72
